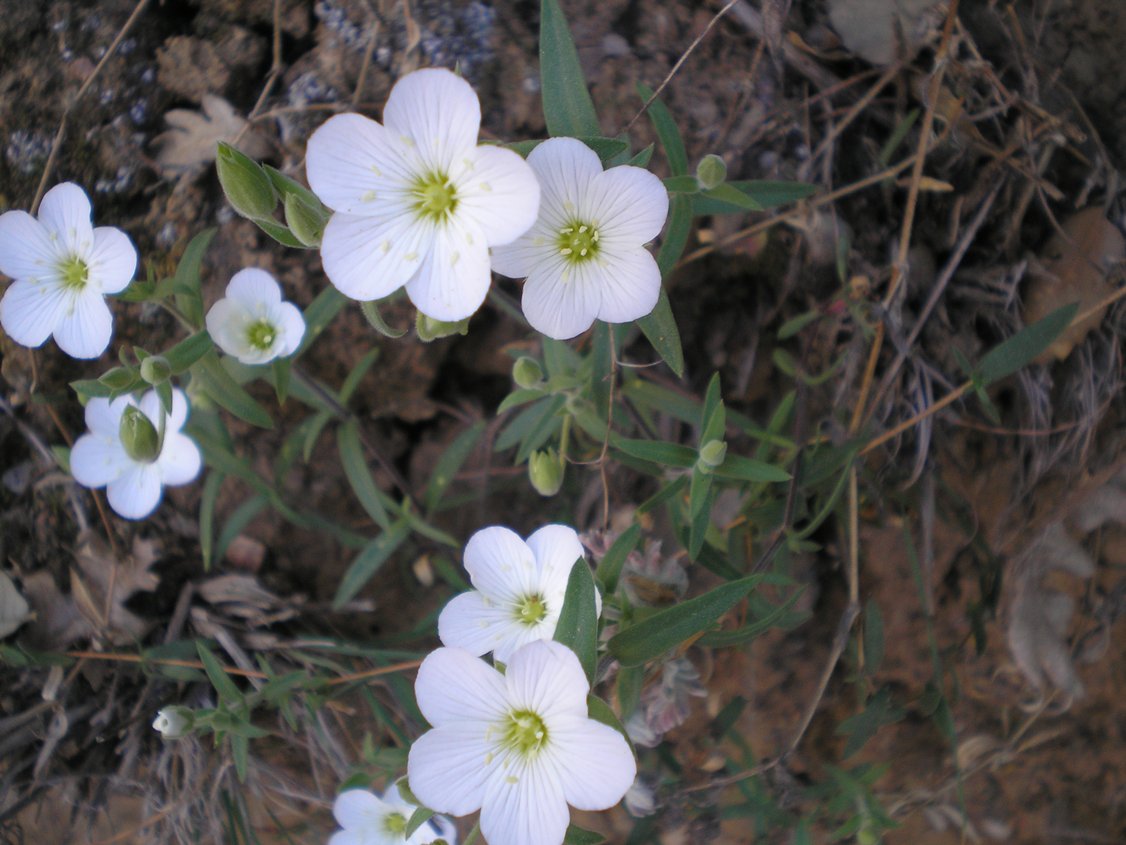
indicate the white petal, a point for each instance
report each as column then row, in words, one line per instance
column 518, row 635
column 629, row 204
column 95, row 460
column 448, row 768
column 565, row 168
column 499, row 193
column 454, row 686
column 501, row 565
column 556, row 548
column 547, row 678
column 104, row 417
column 560, row 299
column 354, row 164
column 65, row 210
column 356, row 809
column 471, row 622
column 517, row 259
column 26, row 248
column 85, row 329
column 30, row 311
column 291, row 324
column 227, row 322
column 438, row 112
column 112, row 261
column 594, row 762
column 349, row 837
column 136, row 493
column 525, row 805
column 367, row 258
column 179, row 460
column 630, row 282
column 253, row 288
column 150, row 406
column 454, row 277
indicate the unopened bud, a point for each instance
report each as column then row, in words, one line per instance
column 712, row 454
column 430, row 329
column 248, row 188
column 174, row 722
column 711, row 171
column 156, row 370
column 306, row 222
column 545, row 471
column 139, row 436
column 119, row 378
column 526, row 372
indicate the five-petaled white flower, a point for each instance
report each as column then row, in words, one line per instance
column 417, row 202
column 252, row 323
column 520, row 588
column 133, row 453
column 519, row 746
column 62, row 268
column 585, row 257
column 369, row 819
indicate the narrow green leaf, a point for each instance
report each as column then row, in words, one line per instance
column 229, row 693
column 578, row 836
column 643, row 157
column 600, row 366
column 713, row 418
column 356, row 469
column 762, row 194
column 567, row 107
column 281, row 370
column 368, row 562
column 240, row 751
column 630, row 681
column 881, row 710
column 207, row 500
column 319, row 314
column 418, row 818
column 371, row 313
column 189, row 350
column 738, row 468
column 279, row 232
column 659, row 452
column 1023, row 347
column 190, row 301
column 284, row 185
column 794, row 325
column 731, row 195
column 450, row 463
column 666, row 629
column 668, row 133
column 236, row 523
column 520, row 397
column 610, row 567
column 660, row 328
column 227, row 392
column 62, row 457
column 578, row 620
column 682, row 185
column 700, row 513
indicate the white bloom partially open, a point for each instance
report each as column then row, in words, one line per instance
column 134, row 472
column 585, row 258
column 370, row 819
column 519, row 746
column 252, row 323
column 520, row 588
column 173, row 722
column 62, row 268
column 417, row 202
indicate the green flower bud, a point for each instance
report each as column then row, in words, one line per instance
column 306, row 222
column 139, row 436
column 430, row 329
column 156, row 370
column 248, row 188
column 712, row 454
column 119, row 378
column 526, row 372
column 711, row 171
column 545, row 471
column 174, row 722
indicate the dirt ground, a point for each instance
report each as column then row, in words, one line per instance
column 994, row 549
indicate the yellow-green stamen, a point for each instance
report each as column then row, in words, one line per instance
column 524, row 733
column 74, row 273
column 531, row 609
column 578, row 241
column 261, row 335
column 395, row 823
column 435, row 197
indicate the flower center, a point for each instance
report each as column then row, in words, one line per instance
column 74, row 273
column 395, row 823
column 578, row 241
column 261, row 335
column 524, row 733
column 435, row 197
column 531, row 609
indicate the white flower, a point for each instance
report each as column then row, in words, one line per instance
column 62, row 267
column 252, row 323
column 417, row 202
column 134, row 475
column 585, row 257
column 519, row 746
column 520, row 588
column 173, row 722
column 369, row 819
